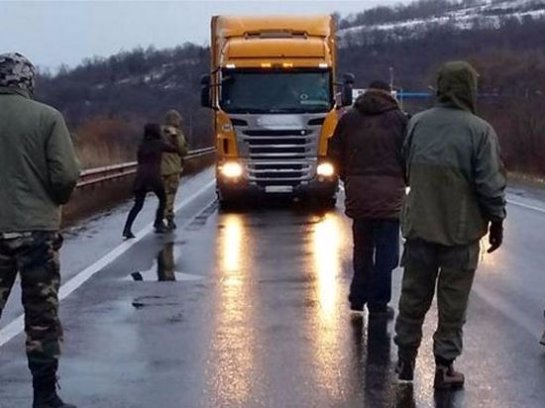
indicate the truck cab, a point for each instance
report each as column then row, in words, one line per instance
column 273, row 92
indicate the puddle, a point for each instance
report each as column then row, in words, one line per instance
column 200, row 220
column 147, row 301
column 164, row 268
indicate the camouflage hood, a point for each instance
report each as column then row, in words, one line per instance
column 17, row 72
column 457, row 86
column 173, row 118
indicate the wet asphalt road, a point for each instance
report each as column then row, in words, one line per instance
column 248, row 309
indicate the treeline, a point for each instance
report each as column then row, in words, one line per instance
column 426, row 9
column 511, row 62
column 107, row 100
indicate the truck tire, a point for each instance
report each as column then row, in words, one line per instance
column 329, row 203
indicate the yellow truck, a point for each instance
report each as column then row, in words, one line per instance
column 275, row 105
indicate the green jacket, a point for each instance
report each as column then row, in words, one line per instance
column 172, row 163
column 454, row 168
column 38, row 166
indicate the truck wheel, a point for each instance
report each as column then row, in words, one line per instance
column 225, row 205
column 329, row 202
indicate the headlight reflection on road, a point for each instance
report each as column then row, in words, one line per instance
column 329, row 368
column 233, row 348
column 231, row 244
column 326, row 245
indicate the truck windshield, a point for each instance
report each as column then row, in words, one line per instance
column 276, row 91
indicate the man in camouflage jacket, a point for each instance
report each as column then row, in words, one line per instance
column 172, row 162
column 457, row 195
column 38, row 171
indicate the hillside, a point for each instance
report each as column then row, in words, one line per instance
column 106, row 101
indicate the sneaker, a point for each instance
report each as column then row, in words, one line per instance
column 405, row 371
column 171, row 225
column 446, row 377
column 54, row 402
column 387, row 312
column 128, row 235
column 542, row 341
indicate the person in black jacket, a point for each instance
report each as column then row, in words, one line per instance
column 366, row 150
column 148, row 177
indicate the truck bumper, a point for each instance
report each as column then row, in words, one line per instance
column 238, row 190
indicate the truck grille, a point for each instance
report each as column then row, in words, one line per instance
column 280, row 157
column 279, row 150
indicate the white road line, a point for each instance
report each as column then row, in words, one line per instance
column 530, row 207
column 17, row 325
column 512, row 202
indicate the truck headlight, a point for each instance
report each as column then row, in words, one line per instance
column 325, row 170
column 231, row 170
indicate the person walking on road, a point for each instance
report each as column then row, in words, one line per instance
column 38, row 172
column 457, row 184
column 172, row 163
column 366, row 149
column 148, row 177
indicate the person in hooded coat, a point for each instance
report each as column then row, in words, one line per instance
column 457, row 194
column 366, row 150
column 148, row 177
column 38, row 172
column 172, row 163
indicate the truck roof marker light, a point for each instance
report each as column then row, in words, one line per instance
column 266, row 65
column 230, row 66
column 323, row 65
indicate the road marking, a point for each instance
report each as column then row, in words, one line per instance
column 17, row 325
column 529, row 207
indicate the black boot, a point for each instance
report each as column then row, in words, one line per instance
column 127, row 233
column 45, row 393
column 171, row 225
column 160, row 227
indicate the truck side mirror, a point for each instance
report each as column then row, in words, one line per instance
column 346, row 93
column 205, row 91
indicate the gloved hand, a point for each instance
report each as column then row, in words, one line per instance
column 495, row 236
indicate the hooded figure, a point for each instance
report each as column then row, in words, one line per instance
column 366, row 150
column 38, row 172
column 457, row 195
column 172, row 163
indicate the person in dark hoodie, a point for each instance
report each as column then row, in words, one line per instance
column 457, row 195
column 366, row 149
column 148, row 177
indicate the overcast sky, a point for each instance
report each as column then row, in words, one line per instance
column 51, row 33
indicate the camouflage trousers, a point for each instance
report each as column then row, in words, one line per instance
column 34, row 256
column 429, row 266
column 171, row 183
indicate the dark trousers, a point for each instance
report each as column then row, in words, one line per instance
column 35, row 256
column 139, row 198
column 376, row 255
